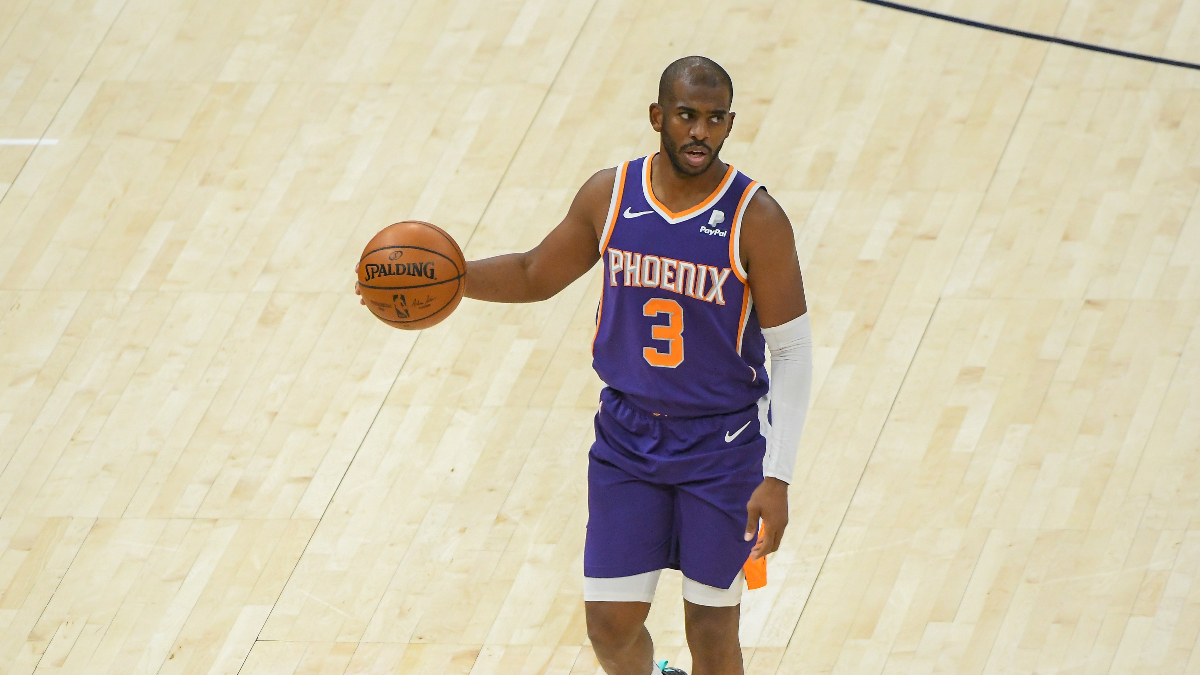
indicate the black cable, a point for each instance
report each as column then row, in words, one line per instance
column 1033, row 36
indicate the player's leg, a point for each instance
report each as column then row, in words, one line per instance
column 712, row 635
column 712, row 612
column 711, row 618
column 712, row 550
column 619, row 637
column 630, row 536
column 618, row 542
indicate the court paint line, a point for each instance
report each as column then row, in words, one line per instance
column 1033, row 36
column 28, row 141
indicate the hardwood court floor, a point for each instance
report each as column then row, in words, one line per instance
column 212, row 460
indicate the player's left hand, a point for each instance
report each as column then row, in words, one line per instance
column 357, row 288
column 769, row 502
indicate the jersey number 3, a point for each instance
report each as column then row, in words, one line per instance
column 672, row 332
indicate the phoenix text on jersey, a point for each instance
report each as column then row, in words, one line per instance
column 669, row 274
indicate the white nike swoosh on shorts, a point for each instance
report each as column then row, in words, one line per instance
column 729, row 437
column 631, row 214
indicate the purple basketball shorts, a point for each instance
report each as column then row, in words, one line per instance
column 670, row 492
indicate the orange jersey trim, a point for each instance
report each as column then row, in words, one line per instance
column 742, row 319
column 614, row 210
column 735, row 231
column 735, row 262
column 708, row 201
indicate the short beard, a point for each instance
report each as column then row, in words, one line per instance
column 673, row 152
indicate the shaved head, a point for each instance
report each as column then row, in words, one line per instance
column 692, row 115
column 696, row 71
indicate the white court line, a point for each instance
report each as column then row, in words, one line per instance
column 28, row 141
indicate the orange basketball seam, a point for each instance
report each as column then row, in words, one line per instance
column 450, row 239
column 415, row 248
column 452, row 301
column 400, row 288
column 444, row 234
column 424, row 318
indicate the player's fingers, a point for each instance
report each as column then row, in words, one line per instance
column 763, row 547
column 775, row 540
column 776, row 531
column 752, row 515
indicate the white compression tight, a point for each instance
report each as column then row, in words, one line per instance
column 640, row 588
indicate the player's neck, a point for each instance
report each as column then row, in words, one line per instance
column 679, row 191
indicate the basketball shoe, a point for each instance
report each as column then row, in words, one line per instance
column 667, row 670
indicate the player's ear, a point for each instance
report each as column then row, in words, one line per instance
column 656, row 116
column 731, row 116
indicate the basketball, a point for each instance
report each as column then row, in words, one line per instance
column 412, row 275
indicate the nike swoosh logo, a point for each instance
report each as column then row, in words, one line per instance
column 631, row 214
column 729, row 437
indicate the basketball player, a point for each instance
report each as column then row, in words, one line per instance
column 700, row 275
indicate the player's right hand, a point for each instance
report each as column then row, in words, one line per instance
column 770, row 504
column 357, row 288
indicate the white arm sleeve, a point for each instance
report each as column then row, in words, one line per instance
column 791, row 385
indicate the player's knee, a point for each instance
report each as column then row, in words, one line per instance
column 611, row 626
column 712, row 631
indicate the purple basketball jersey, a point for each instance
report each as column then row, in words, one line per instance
column 676, row 331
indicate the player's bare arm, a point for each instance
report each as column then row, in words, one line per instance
column 566, row 254
column 769, row 256
column 569, row 251
column 768, row 251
